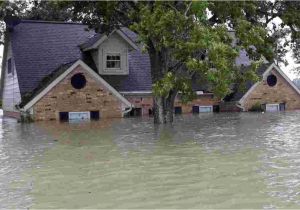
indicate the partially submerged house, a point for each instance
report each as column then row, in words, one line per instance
column 274, row 92
column 61, row 71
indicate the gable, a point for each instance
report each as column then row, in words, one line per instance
column 282, row 91
column 99, row 39
column 90, row 72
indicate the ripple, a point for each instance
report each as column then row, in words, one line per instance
column 226, row 160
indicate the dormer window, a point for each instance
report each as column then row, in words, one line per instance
column 113, row 61
column 9, row 66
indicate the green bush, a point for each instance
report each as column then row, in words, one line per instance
column 257, row 107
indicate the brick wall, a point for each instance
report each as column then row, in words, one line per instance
column 64, row 98
column 146, row 103
column 282, row 92
column 201, row 100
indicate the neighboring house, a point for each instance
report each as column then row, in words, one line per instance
column 297, row 82
column 274, row 92
column 61, row 71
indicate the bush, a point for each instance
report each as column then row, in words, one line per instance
column 256, row 108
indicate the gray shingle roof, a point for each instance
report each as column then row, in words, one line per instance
column 40, row 47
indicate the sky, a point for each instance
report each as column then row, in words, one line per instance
column 289, row 68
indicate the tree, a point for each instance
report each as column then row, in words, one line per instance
column 184, row 42
column 31, row 10
column 280, row 18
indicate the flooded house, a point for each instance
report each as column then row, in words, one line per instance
column 61, row 71
column 273, row 92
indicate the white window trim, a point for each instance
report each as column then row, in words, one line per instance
column 114, row 54
column 278, row 106
column 86, row 113
column 209, row 106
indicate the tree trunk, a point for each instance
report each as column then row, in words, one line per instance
column 163, row 108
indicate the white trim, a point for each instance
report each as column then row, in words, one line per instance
column 63, row 75
column 125, row 37
column 107, row 69
column 135, row 92
column 242, row 100
column 105, row 37
column 208, row 106
column 88, row 113
column 265, row 74
column 199, row 92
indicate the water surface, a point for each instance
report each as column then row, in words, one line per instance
column 227, row 160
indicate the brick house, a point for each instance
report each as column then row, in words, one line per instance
column 274, row 92
column 61, row 71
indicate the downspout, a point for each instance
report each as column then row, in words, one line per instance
column 128, row 110
column 240, row 106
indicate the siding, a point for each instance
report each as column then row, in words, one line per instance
column 114, row 44
column 11, row 90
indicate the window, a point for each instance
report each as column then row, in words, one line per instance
column 216, row 108
column 9, row 66
column 271, row 80
column 78, row 81
column 95, row 115
column 195, row 109
column 205, row 109
column 202, row 109
column 178, row 110
column 113, row 61
column 79, row 116
column 272, row 107
column 282, row 106
column 64, row 116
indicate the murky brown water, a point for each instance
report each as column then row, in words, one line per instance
column 232, row 160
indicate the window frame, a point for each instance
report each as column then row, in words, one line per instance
column 206, row 106
column 270, row 105
column 113, row 54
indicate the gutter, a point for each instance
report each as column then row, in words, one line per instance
column 240, row 106
column 128, row 110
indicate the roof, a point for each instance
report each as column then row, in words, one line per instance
column 238, row 94
column 41, row 47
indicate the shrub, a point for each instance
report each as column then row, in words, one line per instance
column 256, row 108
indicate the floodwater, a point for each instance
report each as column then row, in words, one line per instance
column 226, row 160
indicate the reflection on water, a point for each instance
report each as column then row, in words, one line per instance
column 245, row 160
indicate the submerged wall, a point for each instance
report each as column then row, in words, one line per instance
column 282, row 92
column 65, row 98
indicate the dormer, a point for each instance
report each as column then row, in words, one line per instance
column 110, row 52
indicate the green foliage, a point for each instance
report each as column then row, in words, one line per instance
column 256, row 108
column 183, row 41
column 26, row 117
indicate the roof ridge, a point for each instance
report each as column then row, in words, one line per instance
column 50, row 22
